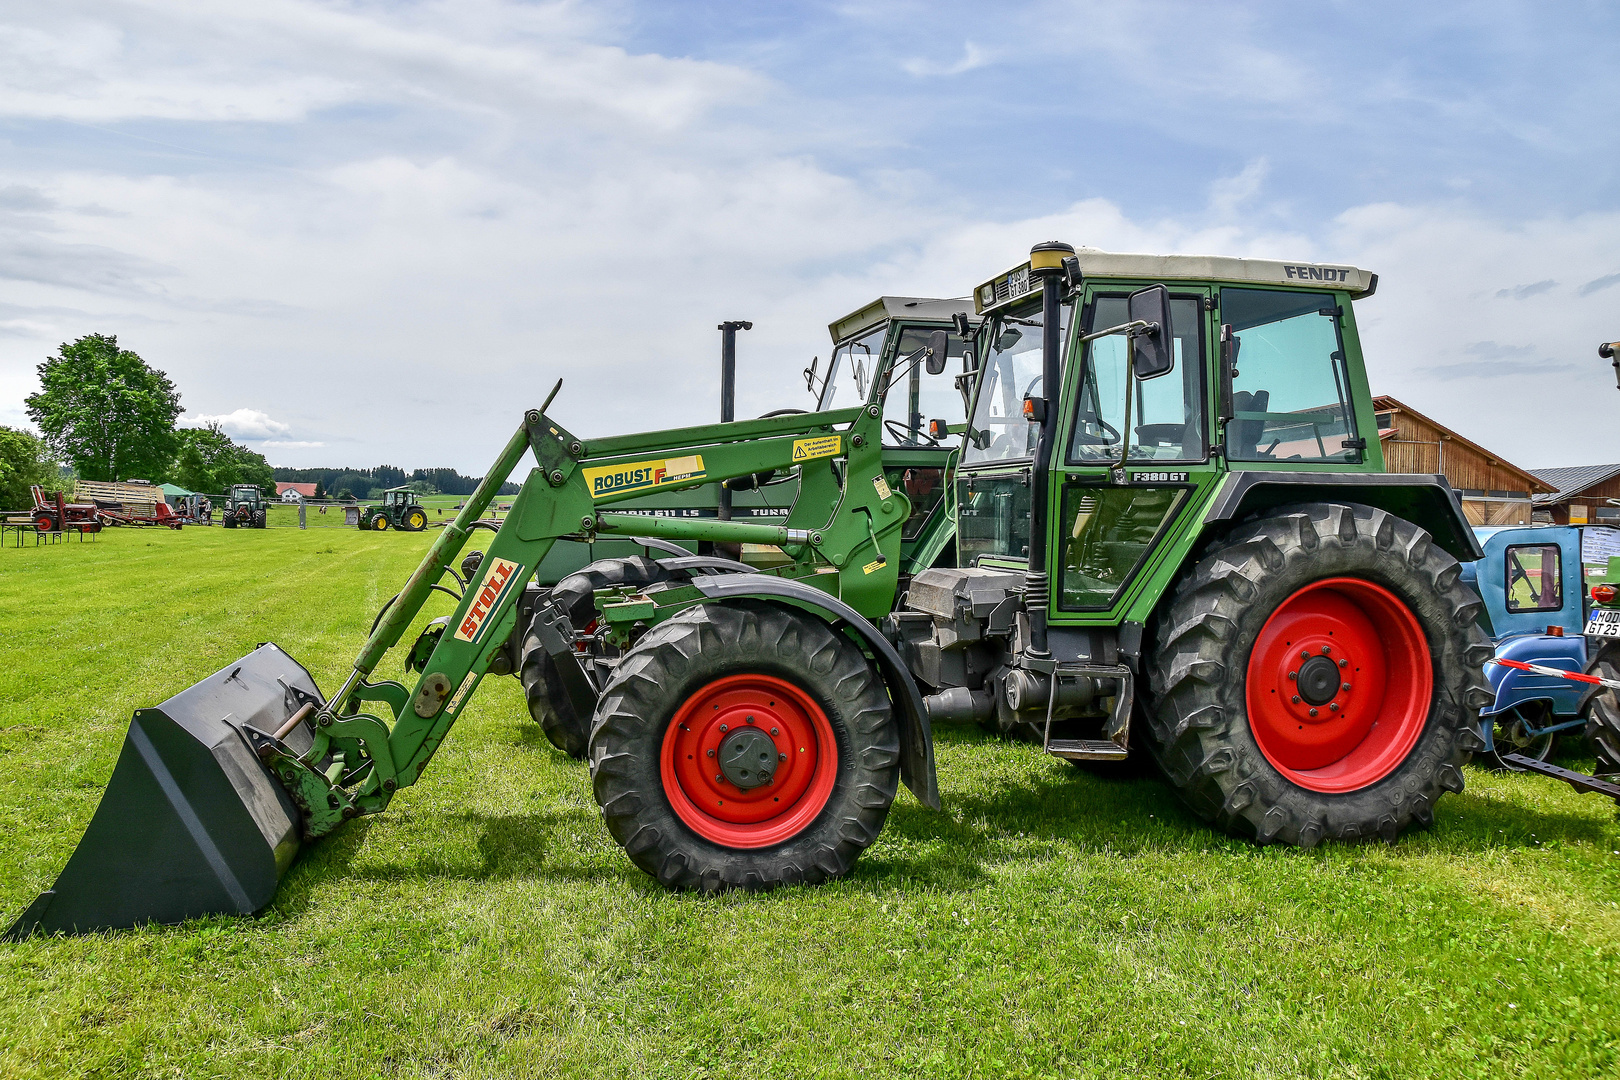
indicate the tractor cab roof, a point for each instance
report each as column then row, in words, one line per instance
column 898, row 307
column 1017, row 283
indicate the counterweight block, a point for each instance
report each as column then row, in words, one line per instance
column 191, row 823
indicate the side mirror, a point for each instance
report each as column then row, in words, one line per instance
column 939, row 345
column 1152, row 349
column 1610, row 351
column 1230, row 343
column 964, row 326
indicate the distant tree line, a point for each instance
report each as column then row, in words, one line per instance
column 371, row 483
column 103, row 413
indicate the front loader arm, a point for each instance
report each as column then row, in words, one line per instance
column 845, row 519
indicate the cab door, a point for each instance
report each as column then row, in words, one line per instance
column 1124, row 481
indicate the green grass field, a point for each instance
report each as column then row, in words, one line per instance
column 1049, row 923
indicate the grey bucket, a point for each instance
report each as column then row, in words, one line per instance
column 191, row 822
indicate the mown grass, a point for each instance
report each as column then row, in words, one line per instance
column 1050, row 922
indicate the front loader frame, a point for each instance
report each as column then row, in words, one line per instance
column 843, row 535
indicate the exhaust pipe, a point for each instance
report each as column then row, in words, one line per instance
column 191, row 823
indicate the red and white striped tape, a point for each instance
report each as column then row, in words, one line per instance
column 1539, row 669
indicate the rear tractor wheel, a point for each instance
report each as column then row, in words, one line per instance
column 416, row 520
column 745, row 746
column 549, row 703
column 1602, row 709
column 1319, row 674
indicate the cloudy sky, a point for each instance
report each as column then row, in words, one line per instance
column 363, row 233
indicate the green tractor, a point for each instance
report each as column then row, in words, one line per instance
column 245, row 508
column 399, row 510
column 877, row 360
column 1172, row 528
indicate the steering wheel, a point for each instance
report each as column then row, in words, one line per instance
column 904, row 434
column 1082, row 438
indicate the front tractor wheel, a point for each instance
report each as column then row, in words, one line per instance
column 1320, row 674
column 745, row 746
column 380, row 523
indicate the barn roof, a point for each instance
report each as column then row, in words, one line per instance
column 1573, row 479
column 1533, row 482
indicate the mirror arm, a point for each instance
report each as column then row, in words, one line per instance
column 1132, row 329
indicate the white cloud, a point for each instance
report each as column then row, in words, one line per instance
column 972, row 57
column 248, row 424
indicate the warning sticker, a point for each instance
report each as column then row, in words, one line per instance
column 882, row 486
column 501, row 578
column 638, row 475
column 819, row 447
column 872, row 567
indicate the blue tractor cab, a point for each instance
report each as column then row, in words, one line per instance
column 1532, row 583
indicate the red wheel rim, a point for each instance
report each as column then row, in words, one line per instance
column 44, row 524
column 1317, row 733
column 717, row 809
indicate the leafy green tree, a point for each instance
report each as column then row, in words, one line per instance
column 422, row 487
column 24, row 460
column 104, row 410
column 209, row 461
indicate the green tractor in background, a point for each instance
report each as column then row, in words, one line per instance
column 882, row 357
column 399, row 510
column 245, row 508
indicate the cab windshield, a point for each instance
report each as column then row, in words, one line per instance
column 854, row 365
column 1011, row 372
column 911, row 396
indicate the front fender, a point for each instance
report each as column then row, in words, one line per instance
column 916, row 736
column 1513, row 688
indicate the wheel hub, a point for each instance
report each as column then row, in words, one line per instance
column 1318, row 680
column 1338, row 684
column 748, row 758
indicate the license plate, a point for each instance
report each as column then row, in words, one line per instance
column 1605, row 623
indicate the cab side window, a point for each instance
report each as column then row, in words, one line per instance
column 1535, row 579
column 1291, row 392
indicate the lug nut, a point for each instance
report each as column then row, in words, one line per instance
column 1313, row 712
column 724, row 728
column 1293, row 676
column 1326, row 650
column 1334, row 706
column 1345, row 687
column 1295, row 699
column 750, row 719
column 781, row 757
column 1304, row 656
column 717, row 778
column 775, row 732
column 711, row 751
column 1343, row 662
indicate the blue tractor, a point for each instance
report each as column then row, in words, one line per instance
column 1531, row 580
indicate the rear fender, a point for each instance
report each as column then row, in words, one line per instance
column 1427, row 501
column 916, row 736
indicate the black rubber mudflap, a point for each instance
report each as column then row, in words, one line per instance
column 191, row 823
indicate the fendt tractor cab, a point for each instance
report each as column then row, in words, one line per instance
column 1177, row 512
column 1196, row 530
column 399, row 510
column 245, row 508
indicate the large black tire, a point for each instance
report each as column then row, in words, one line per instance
column 1602, row 709
column 673, row 673
column 260, row 518
column 549, row 703
column 229, row 520
column 415, row 519
column 1203, row 677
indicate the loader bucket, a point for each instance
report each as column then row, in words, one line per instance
column 191, row 823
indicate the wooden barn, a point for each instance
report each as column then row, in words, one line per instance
column 1494, row 491
column 1582, row 495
